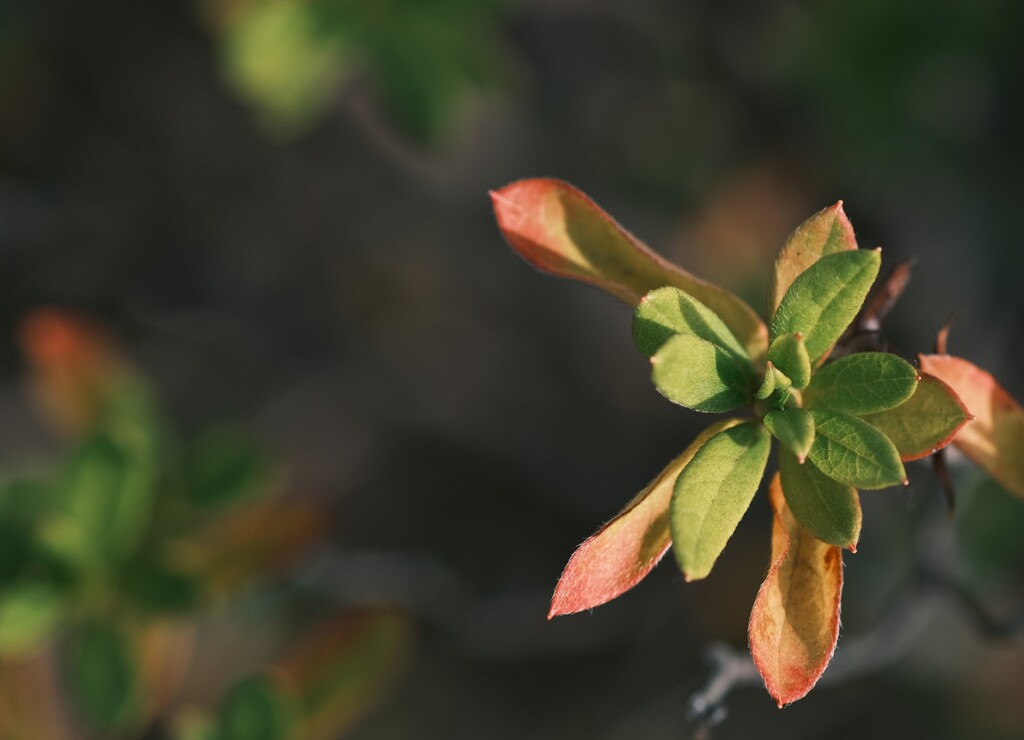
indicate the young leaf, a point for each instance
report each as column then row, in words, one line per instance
column 625, row 549
column 668, row 311
column 926, row 423
column 828, row 510
column 825, row 298
column 827, row 231
column 792, row 427
column 789, row 354
column 853, row 452
column 774, row 379
column 995, row 438
column 862, row 383
column 794, row 624
column 559, row 230
column 713, row 492
column 699, row 375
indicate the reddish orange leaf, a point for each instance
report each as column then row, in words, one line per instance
column 827, row 231
column 625, row 549
column 558, row 229
column 794, row 625
column 995, row 438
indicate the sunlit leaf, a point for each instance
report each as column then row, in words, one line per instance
column 713, row 492
column 625, row 549
column 825, row 298
column 827, row 231
column 700, row 375
column 342, row 669
column 559, row 230
column 774, row 380
column 664, row 312
column 101, row 676
column 827, row 509
column 254, row 709
column 792, row 427
column 789, row 354
column 862, row 383
column 794, row 624
column 29, row 614
column 995, row 438
column 853, row 452
column 924, row 424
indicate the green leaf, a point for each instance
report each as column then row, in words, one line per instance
column 853, row 452
column 558, row 229
column 827, row 509
column 792, row 427
column 774, row 380
column 713, row 492
column 225, row 467
column 101, row 676
column 863, row 383
column 153, row 588
column 788, row 353
column 924, row 424
column 253, row 710
column 29, row 613
column 668, row 311
column 699, row 375
column 826, row 232
column 825, row 298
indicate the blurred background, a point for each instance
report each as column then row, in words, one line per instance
column 291, row 443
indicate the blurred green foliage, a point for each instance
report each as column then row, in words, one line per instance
column 423, row 61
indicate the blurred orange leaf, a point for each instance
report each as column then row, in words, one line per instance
column 794, row 624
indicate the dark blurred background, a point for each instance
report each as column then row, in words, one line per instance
column 279, row 211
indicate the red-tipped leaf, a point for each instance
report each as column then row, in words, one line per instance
column 625, row 549
column 558, row 229
column 794, row 624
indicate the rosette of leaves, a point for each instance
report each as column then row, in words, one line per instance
column 841, row 425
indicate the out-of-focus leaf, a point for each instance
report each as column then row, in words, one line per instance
column 794, row 428
column 699, row 375
column 823, row 300
column 105, row 503
column 559, row 230
column 29, row 613
column 625, row 549
column 225, row 467
column 794, row 624
column 154, row 588
column 827, row 509
column 101, row 676
column 924, row 424
column 254, row 709
column 668, row 311
column 862, row 383
column 853, row 452
column 774, row 380
column 995, row 438
column 826, row 232
column 789, row 354
column 340, row 672
column 713, row 492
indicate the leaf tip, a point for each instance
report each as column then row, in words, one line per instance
column 905, row 482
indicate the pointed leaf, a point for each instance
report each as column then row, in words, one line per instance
column 699, row 375
column 794, row 428
column 101, row 675
column 559, row 230
column 924, row 424
column 713, row 492
column 825, row 298
column 789, row 354
column 995, row 439
column 625, row 549
column 827, row 509
column 794, row 624
column 774, row 380
column 853, row 452
column 665, row 312
column 254, row 709
column 826, row 232
column 862, row 383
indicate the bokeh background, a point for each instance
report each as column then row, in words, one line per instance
column 269, row 220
